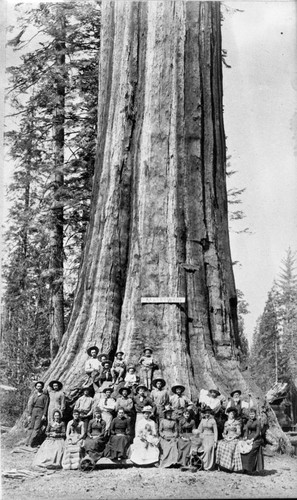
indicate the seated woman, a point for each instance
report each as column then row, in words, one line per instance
column 84, row 405
column 107, row 406
column 208, row 432
column 144, row 450
column 51, row 451
column 168, row 430
column 185, row 429
column 217, row 403
column 74, row 439
column 228, row 455
column 120, row 437
column 253, row 461
column 96, row 436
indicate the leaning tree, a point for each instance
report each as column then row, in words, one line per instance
column 157, row 267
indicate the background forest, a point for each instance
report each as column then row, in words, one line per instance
column 53, row 98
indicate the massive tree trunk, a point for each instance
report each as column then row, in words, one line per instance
column 159, row 220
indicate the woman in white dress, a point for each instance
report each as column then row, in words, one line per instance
column 144, row 449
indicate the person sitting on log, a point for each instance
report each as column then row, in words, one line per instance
column 92, row 366
column 147, row 366
column 37, row 409
column 95, row 441
column 253, row 460
column 179, row 402
column 105, row 378
column 107, row 405
column 84, row 405
column 118, row 368
column 131, row 378
column 140, row 401
column 159, row 396
column 228, row 454
column 75, row 433
column 120, row 437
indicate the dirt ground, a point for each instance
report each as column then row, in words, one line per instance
column 278, row 480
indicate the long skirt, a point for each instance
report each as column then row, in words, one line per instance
column 139, row 418
column 169, row 452
column 142, row 453
column 254, row 460
column 117, row 447
column 228, row 455
column 72, row 456
column 208, row 456
column 94, row 447
column 184, row 450
column 50, row 454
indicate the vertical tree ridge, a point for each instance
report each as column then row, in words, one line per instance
column 159, row 221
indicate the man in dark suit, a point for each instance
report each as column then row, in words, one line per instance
column 37, row 409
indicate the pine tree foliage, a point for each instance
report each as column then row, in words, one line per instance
column 34, row 192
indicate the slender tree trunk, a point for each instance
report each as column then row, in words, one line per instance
column 57, row 249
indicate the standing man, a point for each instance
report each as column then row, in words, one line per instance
column 37, row 409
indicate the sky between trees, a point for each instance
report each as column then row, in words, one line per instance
column 260, row 122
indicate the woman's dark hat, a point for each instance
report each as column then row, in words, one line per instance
column 154, row 382
column 93, row 348
column 124, row 389
column 119, row 352
column 174, row 387
column 232, row 409
column 216, row 391
column 51, row 384
column 207, row 409
column 39, row 382
column 141, row 386
column 147, row 348
column 234, row 392
column 106, row 361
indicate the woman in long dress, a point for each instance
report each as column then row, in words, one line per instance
column 228, row 454
column 74, row 440
column 144, row 449
column 96, row 436
column 120, row 437
column 51, row 451
column 107, row 405
column 253, row 461
column 185, row 430
column 56, row 399
column 209, row 434
column 168, row 430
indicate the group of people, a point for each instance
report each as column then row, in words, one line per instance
column 126, row 414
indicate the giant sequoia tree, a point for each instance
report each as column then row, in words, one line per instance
column 159, row 210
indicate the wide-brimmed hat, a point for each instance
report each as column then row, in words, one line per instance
column 102, row 354
column 174, row 387
column 141, row 386
column 39, row 382
column 119, row 352
column 147, row 409
column 108, row 389
column 168, row 408
column 207, row 409
column 92, row 348
column 97, row 410
column 131, row 366
column 51, row 384
column 154, row 382
column 234, row 392
column 215, row 390
column 124, row 389
column 147, row 348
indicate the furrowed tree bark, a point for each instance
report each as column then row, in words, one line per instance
column 159, row 224
column 159, row 220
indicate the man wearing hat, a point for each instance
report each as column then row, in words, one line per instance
column 147, row 366
column 140, row 401
column 178, row 401
column 125, row 402
column 92, row 365
column 159, row 396
column 84, row 405
column 236, row 401
column 118, row 368
column 37, row 410
column 56, row 398
column 107, row 405
column 105, row 378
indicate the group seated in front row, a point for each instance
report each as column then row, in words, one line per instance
column 120, row 418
